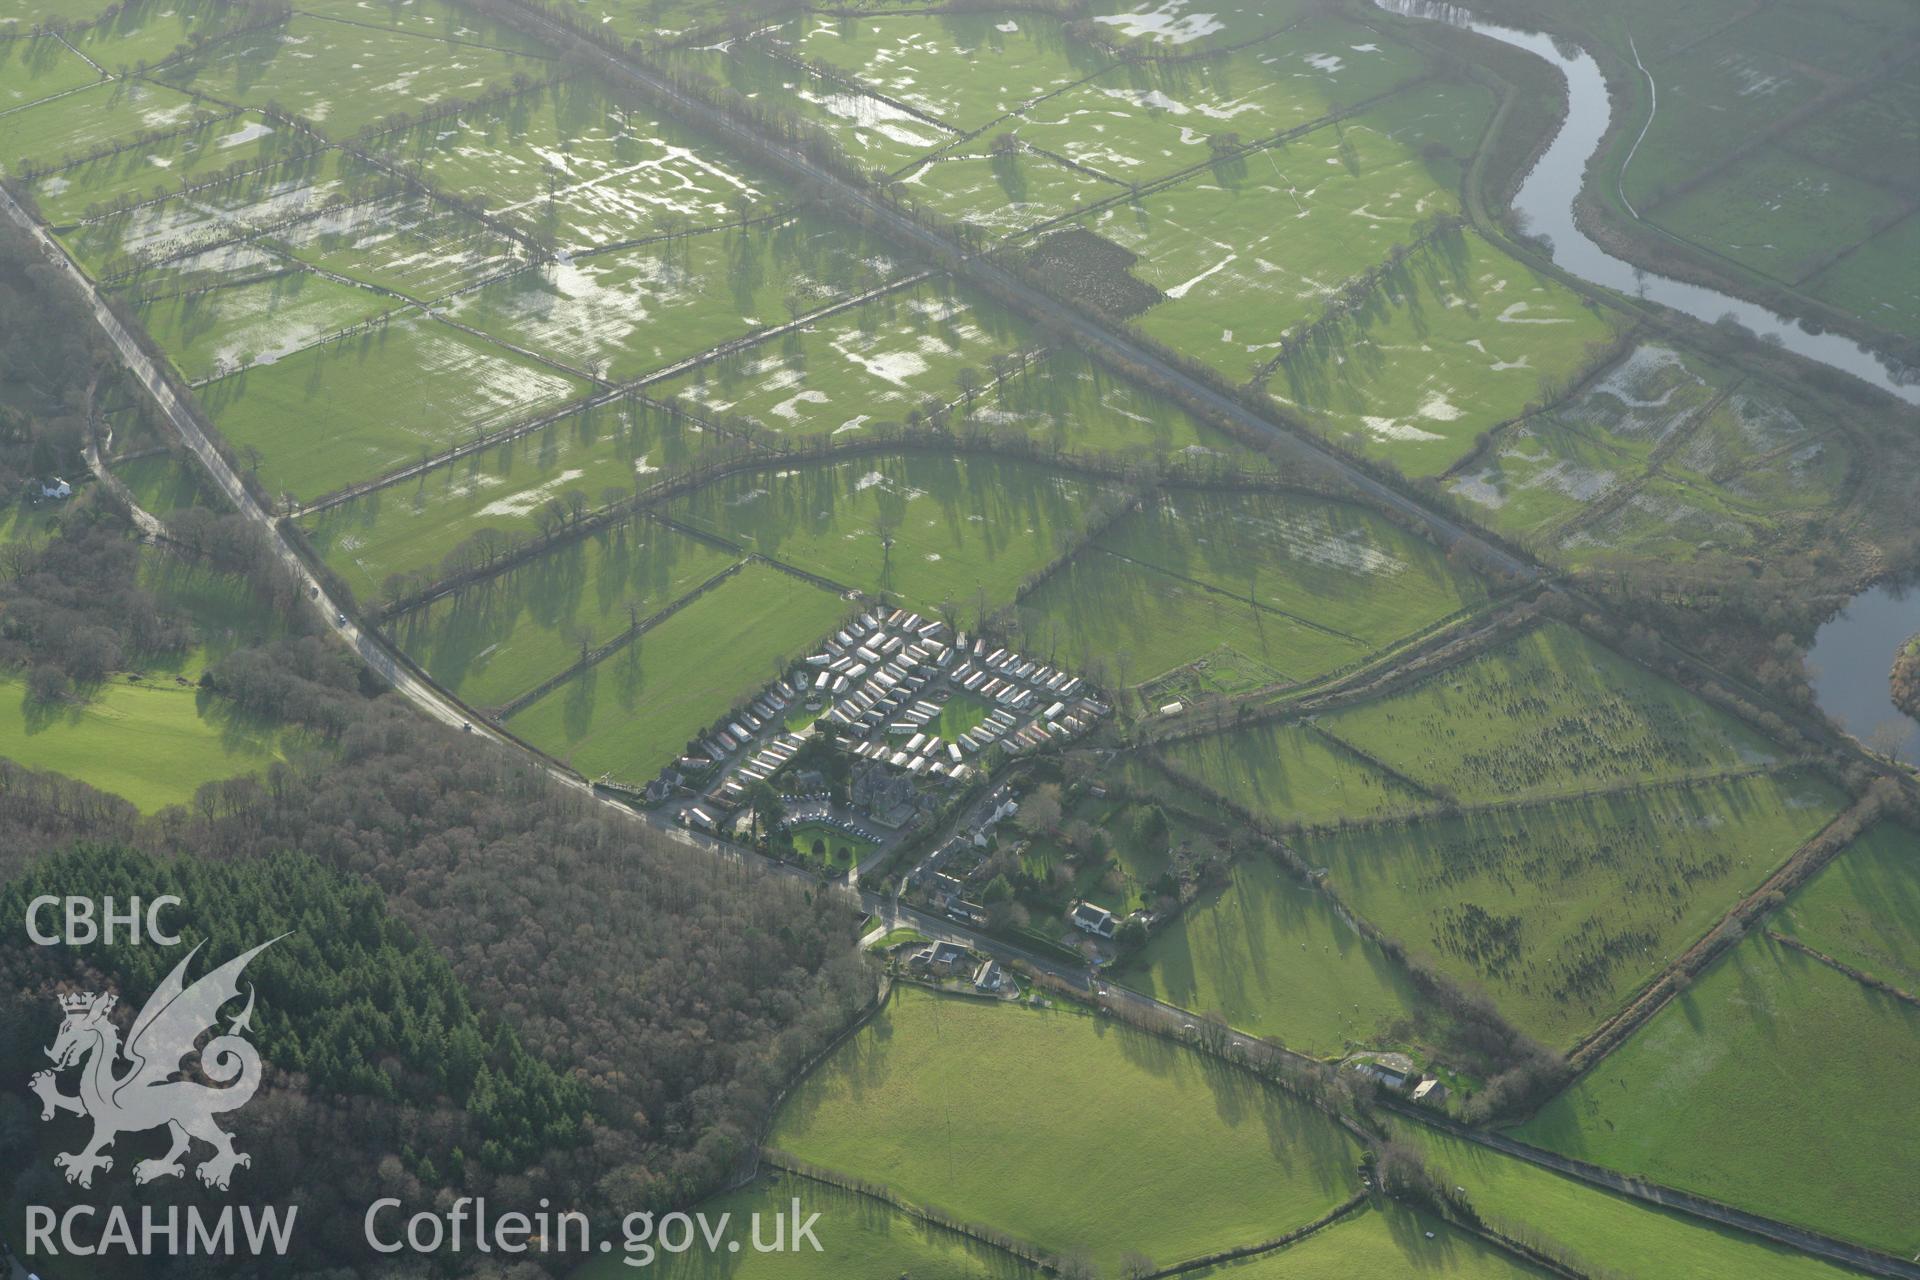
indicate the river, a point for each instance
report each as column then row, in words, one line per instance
column 1851, row 659
column 1546, row 202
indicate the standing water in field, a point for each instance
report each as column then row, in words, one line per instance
column 1546, row 201
column 1851, row 660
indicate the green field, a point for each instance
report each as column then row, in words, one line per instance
column 1276, row 959
column 501, row 637
column 859, row 1237
column 633, row 311
column 401, row 242
column 185, row 157
column 1549, row 712
column 226, row 330
column 1146, row 120
column 1864, row 908
column 1387, row 1240
column 1768, row 1084
column 1243, row 262
column 633, row 712
column 1606, row 1234
column 505, row 491
column 963, row 69
column 345, row 77
column 357, row 408
column 152, row 743
column 57, row 132
column 1104, row 1119
column 892, row 359
column 33, row 68
column 1072, row 404
column 1004, row 193
column 1251, row 589
column 1560, row 911
column 1452, row 340
column 964, row 531
column 572, row 166
column 1292, row 775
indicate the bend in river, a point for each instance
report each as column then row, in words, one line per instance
column 1546, row 201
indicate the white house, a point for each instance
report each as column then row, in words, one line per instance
column 57, row 488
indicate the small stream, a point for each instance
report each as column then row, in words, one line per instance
column 1546, row 200
column 1851, row 658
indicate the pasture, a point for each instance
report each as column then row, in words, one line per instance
column 419, row 249
column 1678, row 1103
column 896, row 358
column 234, row 327
column 506, row 496
column 1453, row 339
column 633, row 311
column 1383, row 1239
column 64, row 130
column 955, row 1084
column 1292, row 775
column 858, row 1237
column 1560, row 911
column 1332, row 566
column 1603, row 1232
column 362, row 406
column 1547, row 712
column 1863, row 909
column 930, row 531
column 1005, row 192
column 966, row 70
column 150, row 743
column 188, row 156
column 1145, row 121
column 345, row 77
column 570, row 167
column 1077, row 406
column 633, row 712
column 1246, row 250
column 1276, row 959
column 34, row 68
column 501, row 637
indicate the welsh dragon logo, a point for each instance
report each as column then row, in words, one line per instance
column 146, row 1095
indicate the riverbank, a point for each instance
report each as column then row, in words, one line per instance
column 1905, row 677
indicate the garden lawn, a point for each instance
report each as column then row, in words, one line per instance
column 965, row 531
column 502, row 637
column 1276, row 959
column 634, row 712
column 505, row 490
column 1547, row 712
column 1454, row 339
column 633, row 311
column 1559, row 912
column 1291, row 775
column 1605, row 1233
column 859, row 1237
column 1770, row 1084
column 1106, row 1119
column 360, row 407
column 1863, row 909
column 150, row 743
